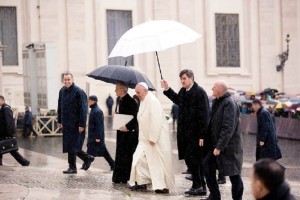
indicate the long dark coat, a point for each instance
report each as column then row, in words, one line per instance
column 126, row 141
column 7, row 125
column 266, row 132
column 192, row 121
column 28, row 118
column 72, row 114
column 225, row 135
column 96, row 131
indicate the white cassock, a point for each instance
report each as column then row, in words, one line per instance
column 152, row 164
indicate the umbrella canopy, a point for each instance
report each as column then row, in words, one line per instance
column 153, row 36
column 117, row 73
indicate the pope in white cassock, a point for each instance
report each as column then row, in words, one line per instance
column 152, row 160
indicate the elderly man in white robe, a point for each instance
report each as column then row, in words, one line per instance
column 152, row 160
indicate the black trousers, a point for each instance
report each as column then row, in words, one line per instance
column 27, row 129
column 108, row 158
column 19, row 158
column 196, row 169
column 72, row 158
column 210, row 167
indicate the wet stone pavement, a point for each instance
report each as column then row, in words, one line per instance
column 44, row 179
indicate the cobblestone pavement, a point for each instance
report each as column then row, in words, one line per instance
column 34, row 183
column 44, row 179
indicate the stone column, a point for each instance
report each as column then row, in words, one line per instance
column 1, row 83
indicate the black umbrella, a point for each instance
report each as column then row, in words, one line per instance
column 117, row 73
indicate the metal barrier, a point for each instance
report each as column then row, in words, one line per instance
column 46, row 126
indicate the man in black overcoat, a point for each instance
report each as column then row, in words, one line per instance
column 224, row 143
column 192, row 125
column 71, row 117
column 127, row 135
column 28, row 127
column 266, row 139
column 8, row 130
column 96, row 137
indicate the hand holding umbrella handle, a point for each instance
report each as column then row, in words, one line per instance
column 164, row 84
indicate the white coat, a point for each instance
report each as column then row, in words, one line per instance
column 153, row 127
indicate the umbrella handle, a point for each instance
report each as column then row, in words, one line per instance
column 158, row 65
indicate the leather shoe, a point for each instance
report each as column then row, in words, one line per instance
column 163, row 191
column 70, row 171
column 186, row 172
column 212, row 198
column 190, row 178
column 26, row 163
column 83, row 166
column 88, row 163
column 138, row 187
column 196, row 192
column 221, row 181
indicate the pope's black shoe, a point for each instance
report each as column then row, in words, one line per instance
column 88, row 163
column 196, row 192
column 163, row 191
column 137, row 187
column 70, row 171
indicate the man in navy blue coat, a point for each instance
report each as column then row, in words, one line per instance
column 71, row 117
column 28, row 128
column 96, row 138
column 266, row 138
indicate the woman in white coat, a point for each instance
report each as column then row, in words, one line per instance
column 152, row 160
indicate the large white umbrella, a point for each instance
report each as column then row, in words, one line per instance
column 153, row 36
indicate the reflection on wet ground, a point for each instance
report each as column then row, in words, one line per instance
column 52, row 146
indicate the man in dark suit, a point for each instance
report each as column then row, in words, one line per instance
column 266, row 139
column 28, row 128
column 8, row 130
column 127, row 135
column 192, row 125
column 71, row 117
column 223, row 143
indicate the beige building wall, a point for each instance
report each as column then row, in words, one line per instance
column 79, row 31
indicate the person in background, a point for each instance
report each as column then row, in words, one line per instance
column 8, row 130
column 267, row 181
column 109, row 104
column 96, row 137
column 266, row 139
column 175, row 114
column 28, row 128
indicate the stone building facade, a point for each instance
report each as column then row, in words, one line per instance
column 240, row 42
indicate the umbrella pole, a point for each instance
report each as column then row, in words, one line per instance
column 158, row 65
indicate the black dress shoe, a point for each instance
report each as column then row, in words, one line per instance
column 88, row 162
column 83, row 166
column 221, row 182
column 196, row 192
column 186, row 172
column 26, row 163
column 163, row 191
column 212, row 198
column 138, row 187
column 70, row 171
column 190, row 178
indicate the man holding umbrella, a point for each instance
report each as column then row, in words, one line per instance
column 192, row 125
